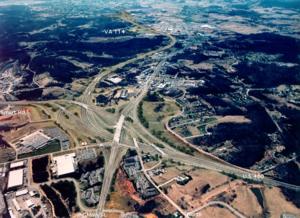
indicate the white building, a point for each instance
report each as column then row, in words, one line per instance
column 64, row 164
column 16, row 164
column 29, row 203
column 21, row 192
column 115, row 80
column 15, row 178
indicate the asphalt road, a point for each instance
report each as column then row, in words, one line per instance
column 92, row 120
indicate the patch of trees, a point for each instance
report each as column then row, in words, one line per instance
column 129, row 119
column 59, row 208
column 111, row 110
column 153, row 96
column 184, row 149
column 159, row 107
column 68, row 193
column 141, row 117
column 39, row 169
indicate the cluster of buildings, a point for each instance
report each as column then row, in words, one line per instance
column 91, row 196
column 289, row 92
column 10, row 77
column 132, row 167
column 144, row 187
column 113, row 97
column 21, row 199
column 91, row 182
column 16, row 175
column 91, row 178
column 113, row 90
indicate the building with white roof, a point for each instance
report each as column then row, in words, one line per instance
column 21, row 192
column 64, row 164
column 15, row 178
column 29, row 203
column 115, row 80
column 33, row 193
column 16, row 164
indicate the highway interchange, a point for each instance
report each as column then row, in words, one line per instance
column 91, row 120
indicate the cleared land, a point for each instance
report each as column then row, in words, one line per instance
column 246, row 202
column 216, row 212
column 196, row 191
column 277, row 203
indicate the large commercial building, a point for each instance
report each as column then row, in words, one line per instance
column 64, row 164
column 15, row 178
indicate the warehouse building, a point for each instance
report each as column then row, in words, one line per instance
column 65, row 164
column 15, row 178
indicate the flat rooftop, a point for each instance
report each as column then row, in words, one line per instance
column 115, row 80
column 16, row 164
column 65, row 164
column 15, row 178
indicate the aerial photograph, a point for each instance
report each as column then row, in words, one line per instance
column 149, row 108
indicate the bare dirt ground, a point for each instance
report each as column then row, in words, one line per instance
column 170, row 173
column 151, row 164
column 164, row 207
column 226, row 188
column 190, row 195
column 215, row 212
column 200, row 66
column 35, row 114
column 14, row 135
column 112, row 215
column 150, row 216
column 233, row 119
column 43, row 79
column 194, row 130
column 277, row 204
column 79, row 85
column 246, row 202
column 14, row 119
column 124, row 195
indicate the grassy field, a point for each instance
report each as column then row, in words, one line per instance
column 154, row 116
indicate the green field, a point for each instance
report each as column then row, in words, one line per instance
column 154, row 115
